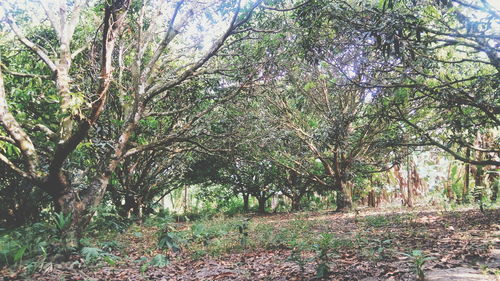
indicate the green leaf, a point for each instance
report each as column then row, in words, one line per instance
column 19, row 254
column 309, row 85
column 159, row 261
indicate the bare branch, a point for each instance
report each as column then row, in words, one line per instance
column 21, row 74
column 7, row 139
column 78, row 51
column 14, row 168
column 169, row 36
column 32, row 46
column 52, row 17
column 154, row 91
column 17, row 133
column 40, row 127
column 75, row 16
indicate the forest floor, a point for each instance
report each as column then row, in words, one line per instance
column 367, row 245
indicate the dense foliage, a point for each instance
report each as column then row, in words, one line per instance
column 127, row 110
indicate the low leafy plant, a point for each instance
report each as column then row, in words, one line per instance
column 107, row 220
column 167, row 237
column 61, row 221
column 323, row 248
column 298, row 247
column 110, row 245
column 169, row 240
column 92, row 255
column 26, row 242
column 376, row 221
column 157, row 261
column 418, row 259
column 243, row 232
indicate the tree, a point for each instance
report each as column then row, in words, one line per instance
column 440, row 68
column 295, row 186
column 140, row 181
column 148, row 70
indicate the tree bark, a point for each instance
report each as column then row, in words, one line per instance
column 246, row 198
column 344, row 203
column 409, row 201
column 343, row 200
column 296, row 206
column 371, row 199
column 465, row 191
column 262, row 204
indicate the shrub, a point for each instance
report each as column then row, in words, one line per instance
column 108, row 220
column 25, row 242
column 92, row 255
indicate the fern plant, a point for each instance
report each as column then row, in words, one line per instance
column 92, row 255
column 61, row 221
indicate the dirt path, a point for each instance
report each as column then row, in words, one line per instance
column 491, row 265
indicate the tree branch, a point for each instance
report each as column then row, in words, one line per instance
column 32, row 46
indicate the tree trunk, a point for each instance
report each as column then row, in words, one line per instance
column 344, row 200
column 495, row 187
column 371, row 199
column 296, row 203
column 68, row 203
column 465, row 191
column 262, row 204
column 449, row 191
column 246, row 206
column 409, row 196
column 124, row 210
column 185, row 200
column 478, row 176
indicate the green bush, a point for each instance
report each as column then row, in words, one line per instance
column 25, row 242
column 167, row 236
column 108, row 220
column 92, row 256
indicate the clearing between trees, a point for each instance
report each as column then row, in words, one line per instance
column 365, row 245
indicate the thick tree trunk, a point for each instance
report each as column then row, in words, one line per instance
column 68, row 203
column 296, row 206
column 246, row 198
column 138, row 209
column 409, row 196
column 449, row 191
column 344, row 200
column 81, row 206
column 371, row 199
column 495, row 187
column 478, row 176
column 262, row 204
column 125, row 210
